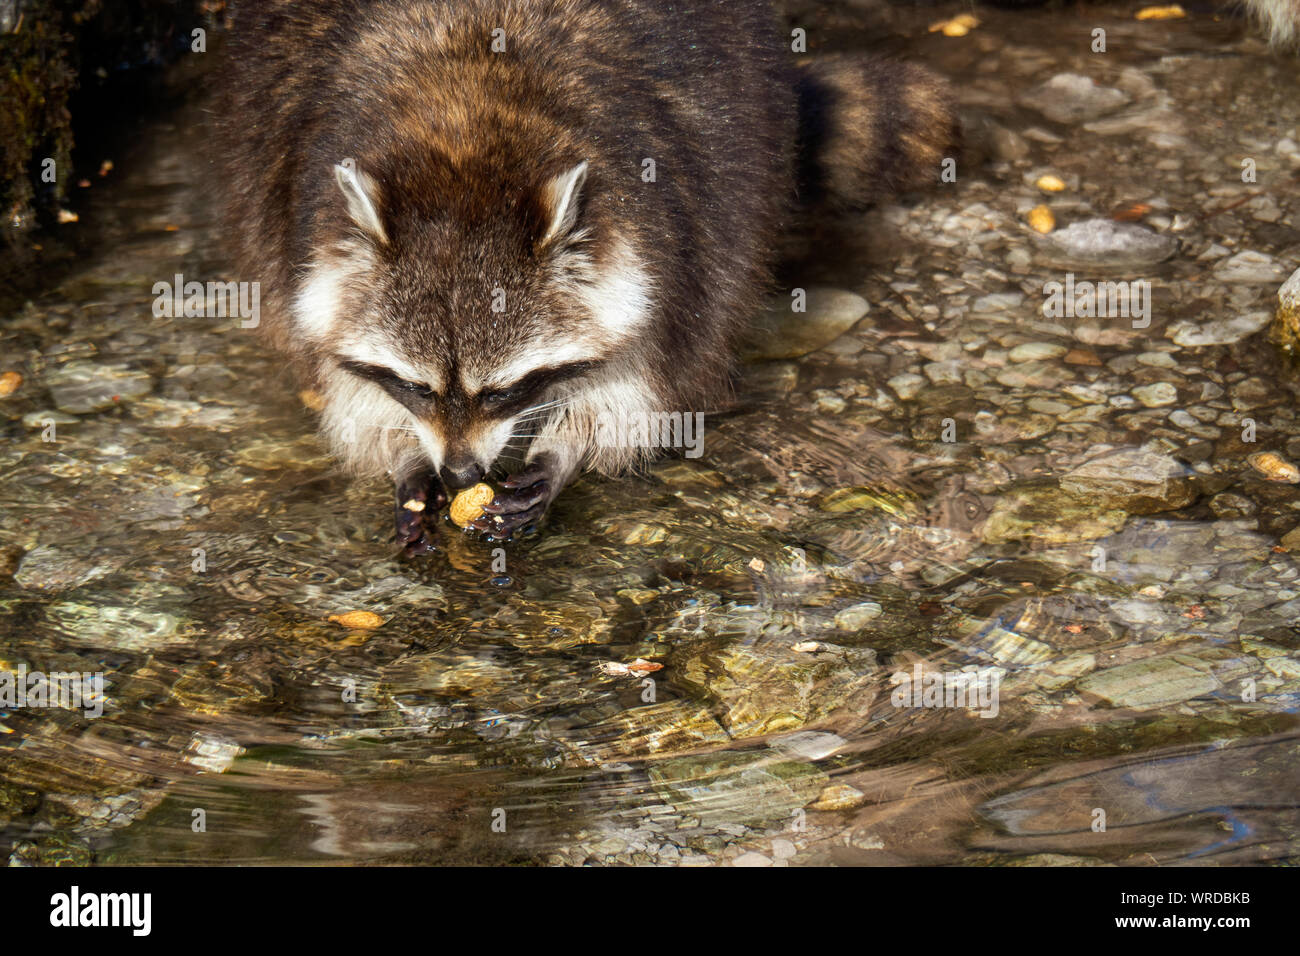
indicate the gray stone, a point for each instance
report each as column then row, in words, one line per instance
column 1156, row 395
column 1072, row 98
column 808, row 744
column 1036, row 352
column 783, row 333
column 1250, row 266
column 747, row 788
column 1106, row 243
column 1150, row 683
column 1139, row 482
column 858, row 616
column 80, row 387
column 47, row 568
column 1219, row 331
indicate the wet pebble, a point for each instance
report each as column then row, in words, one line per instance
column 1149, row 683
column 907, row 385
column 1156, row 395
column 1137, row 481
column 1032, row 375
column 1036, row 352
column 1072, row 98
column 783, row 333
column 1250, row 266
column 1219, row 331
column 839, row 796
column 48, row 568
column 80, row 387
column 1107, row 243
column 858, row 616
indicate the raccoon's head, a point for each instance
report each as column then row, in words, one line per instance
column 456, row 310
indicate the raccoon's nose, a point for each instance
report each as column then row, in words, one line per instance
column 460, row 473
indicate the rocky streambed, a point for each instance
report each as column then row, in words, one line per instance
column 972, row 561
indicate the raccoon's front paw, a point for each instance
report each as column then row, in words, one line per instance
column 419, row 498
column 529, row 493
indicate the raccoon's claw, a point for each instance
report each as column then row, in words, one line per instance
column 522, row 500
column 414, row 534
column 501, row 527
column 537, row 471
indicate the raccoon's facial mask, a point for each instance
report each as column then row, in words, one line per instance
column 411, row 394
column 519, row 397
column 497, row 403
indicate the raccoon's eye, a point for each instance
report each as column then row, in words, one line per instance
column 500, row 397
column 532, row 385
column 413, row 388
column 389, row 380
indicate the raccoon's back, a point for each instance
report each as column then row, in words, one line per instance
column 698, row 88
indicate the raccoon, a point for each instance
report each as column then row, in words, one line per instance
column 1279, row 18
column 485, row 226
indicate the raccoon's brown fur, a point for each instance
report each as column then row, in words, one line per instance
column 1279, row 18
column 478, row 177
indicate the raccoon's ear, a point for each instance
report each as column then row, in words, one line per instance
column 560, row 199
column 359, row 190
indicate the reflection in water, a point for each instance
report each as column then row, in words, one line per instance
column 185, row 536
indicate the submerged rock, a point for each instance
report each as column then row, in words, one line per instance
column 858, row 616
column 1286, row 327
column 1050, row 515
column 839, row 796
column 808, row 744
column 1150, row 683
column 80, row 387
column 784, row 334
column 765, row 687
column 1220, row 331
column 48, row 568
column 1106, row 243
column 121, row 628
column 1250, row 266
column 1139, row 482
column 746, row 788
column 1072, row 98
column 1156, row 395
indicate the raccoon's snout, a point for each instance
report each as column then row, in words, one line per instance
column 460, row 473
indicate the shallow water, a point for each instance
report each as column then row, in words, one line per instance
column 186, row 535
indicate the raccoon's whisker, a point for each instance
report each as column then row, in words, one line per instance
column 544, row 413
column 555, row 404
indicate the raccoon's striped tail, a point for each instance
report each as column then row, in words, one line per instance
column 1281, row 18
column 871, row 128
